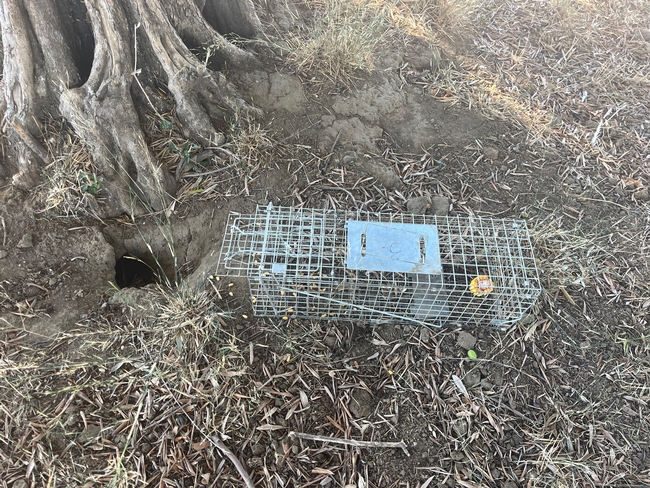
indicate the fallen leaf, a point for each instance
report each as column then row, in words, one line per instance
column 459, row 384
column 270, row 427
column 199, row 446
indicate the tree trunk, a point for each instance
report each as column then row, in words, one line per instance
column 95, row 62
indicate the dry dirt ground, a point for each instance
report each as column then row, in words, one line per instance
column 536, row 110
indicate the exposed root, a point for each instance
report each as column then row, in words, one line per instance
column 103, row 114
column 200, row 95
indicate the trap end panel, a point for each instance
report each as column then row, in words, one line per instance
column 393, row 247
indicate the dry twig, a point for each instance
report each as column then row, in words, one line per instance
column 233, row 459
column 351, row 442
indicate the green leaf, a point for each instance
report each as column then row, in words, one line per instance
column 472, row 354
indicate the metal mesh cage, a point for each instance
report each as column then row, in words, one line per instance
column 325, row 264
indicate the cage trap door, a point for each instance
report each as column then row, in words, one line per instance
column 393, row 247
column 406, row 253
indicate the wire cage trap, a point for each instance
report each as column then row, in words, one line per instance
column 343, row 265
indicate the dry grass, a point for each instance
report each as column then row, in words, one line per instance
column 343, row 40
column 170, row 148
column 71, row 181
column 447, row 24
column 250, row 143
column 571, row 72
column 340, row 44
column 208, row 173
column 149, row 395
column 560, row 400
column 153, row 385
column 569, row 256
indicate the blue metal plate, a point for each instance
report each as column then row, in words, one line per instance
column 393, row 247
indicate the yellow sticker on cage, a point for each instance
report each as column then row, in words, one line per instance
column 481, row 286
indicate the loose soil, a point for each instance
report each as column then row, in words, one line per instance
column 558, row 400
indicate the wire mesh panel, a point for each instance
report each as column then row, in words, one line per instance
column 308, row 263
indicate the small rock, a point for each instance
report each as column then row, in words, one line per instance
column 486, row 385
column 472, row 378
column 361, row 403
column 20, row 484
column 440, row 206
column 91, row 433
column 3, row 254
column 381, row 171
column 466, row 340
column 25, row 242
column 457, row 455
column 330, row 340
column 510, row 484
column 258, row 449
column 417, row 205
column 496, row 474
column 491, row 153
column 642, row 195
column 425, row 335
column 632, row 184
column 32, row 291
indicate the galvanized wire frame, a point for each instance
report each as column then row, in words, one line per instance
column 296, row 264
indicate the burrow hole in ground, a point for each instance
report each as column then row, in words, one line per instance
column 133, row 271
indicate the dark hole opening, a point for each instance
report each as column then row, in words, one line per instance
column 133, row 272
column 79, row 36
column 423, row 250
column 229, row 17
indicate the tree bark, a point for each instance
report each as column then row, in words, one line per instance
column 84, row 61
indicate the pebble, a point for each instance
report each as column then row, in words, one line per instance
column 417, row 205
column 330, row 341
column 457, row 455
column 440, row 206
column 466, row 340
column 491, row 153
column 486, row 385
column 3, row 254
column 25, row 242
column 425, row 335
column 361, row 403
column 472, row 378
column 642, row 195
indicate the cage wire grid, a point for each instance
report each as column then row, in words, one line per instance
column 316, row 264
